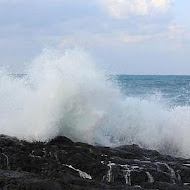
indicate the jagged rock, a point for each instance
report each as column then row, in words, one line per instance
column 64, row 164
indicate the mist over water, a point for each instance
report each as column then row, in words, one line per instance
column 67, row 94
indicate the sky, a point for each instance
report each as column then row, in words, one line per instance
column 125, row 36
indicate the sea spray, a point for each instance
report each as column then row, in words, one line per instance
column 67, row 94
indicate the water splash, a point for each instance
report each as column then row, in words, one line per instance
column 66, row 94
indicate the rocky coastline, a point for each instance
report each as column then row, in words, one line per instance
column 62, row 164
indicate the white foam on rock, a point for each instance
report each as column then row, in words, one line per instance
column 127, row 174
column 81, row 173
column 150, row 177
column 109, row 176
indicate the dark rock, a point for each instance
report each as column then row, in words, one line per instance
column 64, row 164
column 60, row 140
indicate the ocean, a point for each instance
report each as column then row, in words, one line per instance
column 173, row 89
column 69, row 94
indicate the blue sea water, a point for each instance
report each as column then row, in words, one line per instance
column 174, row 89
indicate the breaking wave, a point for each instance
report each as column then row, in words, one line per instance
column 67, row 94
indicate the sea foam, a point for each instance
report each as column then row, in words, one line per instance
column 67, row 94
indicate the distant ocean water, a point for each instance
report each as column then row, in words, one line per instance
column 174, row 89
column 68, row 94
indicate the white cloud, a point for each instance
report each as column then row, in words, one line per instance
column 125, row 8
column 179, row 36
column 32, row 25
column 135, row 38
column 161, row 5
column 176, row 31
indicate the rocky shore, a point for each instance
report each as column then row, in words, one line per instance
column 62, row 164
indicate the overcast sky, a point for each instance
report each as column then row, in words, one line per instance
column 126, row 36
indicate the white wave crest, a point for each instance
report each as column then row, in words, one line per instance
column 66, row 94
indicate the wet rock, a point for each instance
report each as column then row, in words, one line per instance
column 61, row 140
column 64, row 164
